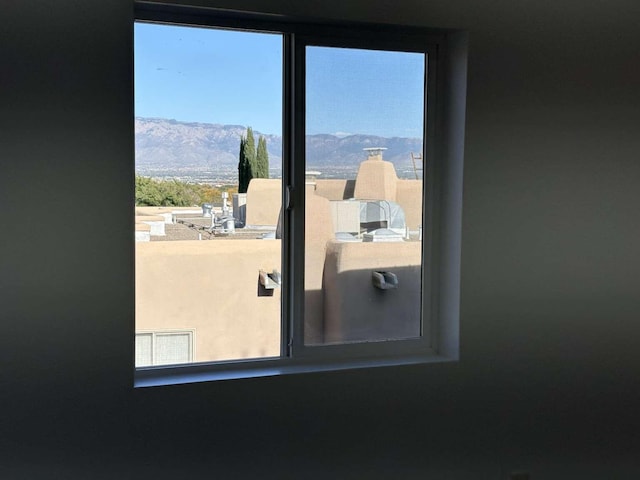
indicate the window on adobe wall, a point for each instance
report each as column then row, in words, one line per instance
column 298, row 195
column 164, row 348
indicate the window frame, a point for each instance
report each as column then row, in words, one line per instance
column 422, row 345
column 443, row 135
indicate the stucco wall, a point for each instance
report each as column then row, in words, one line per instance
column 376, row 180
column 335, row 189
column 264, row 199
column 212, row 288
column 318, row 231
column 357, row 311
column 409, row 197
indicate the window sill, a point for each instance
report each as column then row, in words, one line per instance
column 196, row 373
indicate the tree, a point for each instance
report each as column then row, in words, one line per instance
column 174, row 193
column 250, row 153
column 262, row 159
column 247, row 161
column 243, row 167
column 148, row 191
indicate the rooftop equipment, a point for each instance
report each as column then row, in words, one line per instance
column 382, row 235
column 346, row 237
column 207, row 208
column 346, row 215
column 225, row 204
column 376, row 214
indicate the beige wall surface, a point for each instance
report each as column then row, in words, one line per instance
column 335, row 189
column 357, row 311
column 144, row 210
column 210, row 287
column 376, row 180
column 149, row 218
column 318, row 231
column 264, row 199
column 409, row 197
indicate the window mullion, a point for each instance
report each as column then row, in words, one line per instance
column 288, row 170
column 297, row 184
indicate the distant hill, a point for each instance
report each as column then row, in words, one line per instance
column 162, row 143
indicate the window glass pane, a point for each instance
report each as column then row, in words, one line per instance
column 172, row 348
column 364, row 195
column 208, row 105
column 143, row 349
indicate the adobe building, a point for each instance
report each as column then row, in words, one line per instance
column 210, row 292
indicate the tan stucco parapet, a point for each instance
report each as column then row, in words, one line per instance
column 159, row 210
column 142, row 227
column 149, row 218
column 263, row 201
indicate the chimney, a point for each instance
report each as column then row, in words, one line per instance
column 374, row 153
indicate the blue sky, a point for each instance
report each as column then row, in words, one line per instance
column 230, row 77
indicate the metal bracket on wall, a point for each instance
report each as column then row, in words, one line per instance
column 270, row 280
column 384, row 280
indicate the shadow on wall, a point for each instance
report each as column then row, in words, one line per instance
column 335, row 189
column 372, row 314
column 355, row 308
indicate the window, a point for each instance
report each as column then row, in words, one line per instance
column 204, row 97
column 163, row 348
column 298, row 195
column 363, row 276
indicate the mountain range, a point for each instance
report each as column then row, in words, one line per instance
column 163, row 143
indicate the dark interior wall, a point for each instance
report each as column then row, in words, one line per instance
column 547, row 381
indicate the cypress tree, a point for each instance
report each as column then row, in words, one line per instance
column 250, row 155
column 262, row 159
column 243, row 167
column 247, row 162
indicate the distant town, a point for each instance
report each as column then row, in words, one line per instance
column 208, row 153
column 229, row 176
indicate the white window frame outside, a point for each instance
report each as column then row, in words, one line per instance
column 166, row 333
column 442, row 196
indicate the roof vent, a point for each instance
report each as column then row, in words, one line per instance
column 382, row 235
